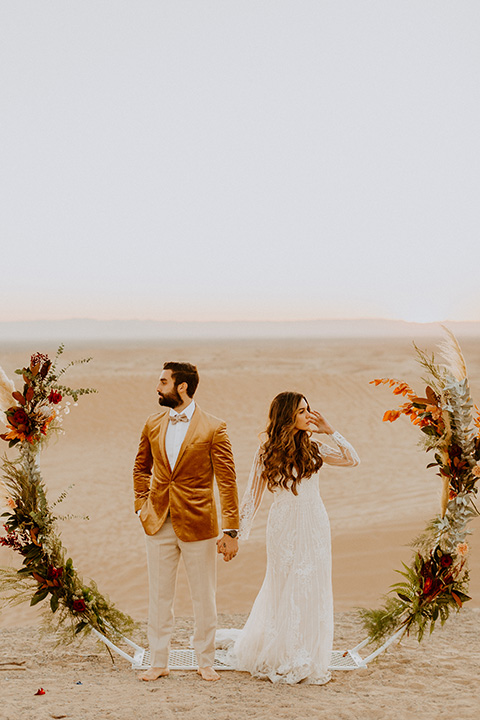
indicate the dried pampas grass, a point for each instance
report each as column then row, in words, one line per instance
column 6, row 389
column 453, row 356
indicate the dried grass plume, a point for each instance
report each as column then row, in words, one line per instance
column 6, row 389
column 453, row 355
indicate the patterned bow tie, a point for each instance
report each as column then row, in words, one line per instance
column 174, row 419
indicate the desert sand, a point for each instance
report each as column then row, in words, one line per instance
column 375, row 511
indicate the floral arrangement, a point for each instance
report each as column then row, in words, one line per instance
column 30, row 523
column 436, row 581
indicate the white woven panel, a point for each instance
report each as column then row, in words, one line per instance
column 185, row 659
column 343, row 661
column 180, row 659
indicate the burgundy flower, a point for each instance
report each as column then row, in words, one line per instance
column 446, row 561
column 54, row 397
column 54, row 573
column 19, row 418
column 79, row 605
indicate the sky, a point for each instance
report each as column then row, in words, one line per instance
column 240, row 159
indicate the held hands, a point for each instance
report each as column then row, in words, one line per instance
column 319, row 424
column 227, row 546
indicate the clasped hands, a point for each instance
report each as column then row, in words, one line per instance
column 227, row 546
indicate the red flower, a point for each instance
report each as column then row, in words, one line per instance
column 54, row 397
column 19, row 418
column 446, row 561
column 54, row 573
column 79, row 605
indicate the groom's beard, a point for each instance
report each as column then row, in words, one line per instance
column 172, row 400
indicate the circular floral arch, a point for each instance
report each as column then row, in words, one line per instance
column 434, row 584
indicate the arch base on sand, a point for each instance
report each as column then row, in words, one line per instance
column 185, row 659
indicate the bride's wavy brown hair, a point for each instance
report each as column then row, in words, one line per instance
column 288, row 454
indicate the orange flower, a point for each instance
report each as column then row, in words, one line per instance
column 391, row 415
column 402, row 389
column 15, row 434
column 462, row 549
column 11, row 503
column 45, row 425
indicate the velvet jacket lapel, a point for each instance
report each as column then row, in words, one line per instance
column 192, row 427
column 162, row 431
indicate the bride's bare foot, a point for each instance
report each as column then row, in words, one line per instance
column 208, row 673
column 154, row 673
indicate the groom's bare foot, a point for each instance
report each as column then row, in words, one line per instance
column 154, row 673
column 208, row 673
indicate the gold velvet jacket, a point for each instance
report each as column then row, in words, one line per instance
column 187, row 490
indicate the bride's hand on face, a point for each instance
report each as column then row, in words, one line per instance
column 319, row 424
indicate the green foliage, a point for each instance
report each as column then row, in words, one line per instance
column 384, row 621
column 74, row 394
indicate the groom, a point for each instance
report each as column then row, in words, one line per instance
column 180, row 451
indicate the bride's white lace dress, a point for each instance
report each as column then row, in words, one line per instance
column 289, row 633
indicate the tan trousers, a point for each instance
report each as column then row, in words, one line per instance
column 163, row 555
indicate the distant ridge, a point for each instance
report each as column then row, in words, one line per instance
column 117, row 330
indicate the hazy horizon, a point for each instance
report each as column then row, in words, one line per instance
column 85, row 329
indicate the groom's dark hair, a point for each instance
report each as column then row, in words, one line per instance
column 184, row 373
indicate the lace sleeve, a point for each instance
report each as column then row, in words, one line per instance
column 346, row 455
column 252, row 497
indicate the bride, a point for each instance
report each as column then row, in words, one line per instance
column 289, row 633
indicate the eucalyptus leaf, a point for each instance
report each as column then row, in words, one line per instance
column 38, row 597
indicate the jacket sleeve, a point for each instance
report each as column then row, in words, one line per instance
column 224, row 469
column 142, row 470
column 252, row 497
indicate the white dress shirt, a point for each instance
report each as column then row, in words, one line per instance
column 176, row 433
